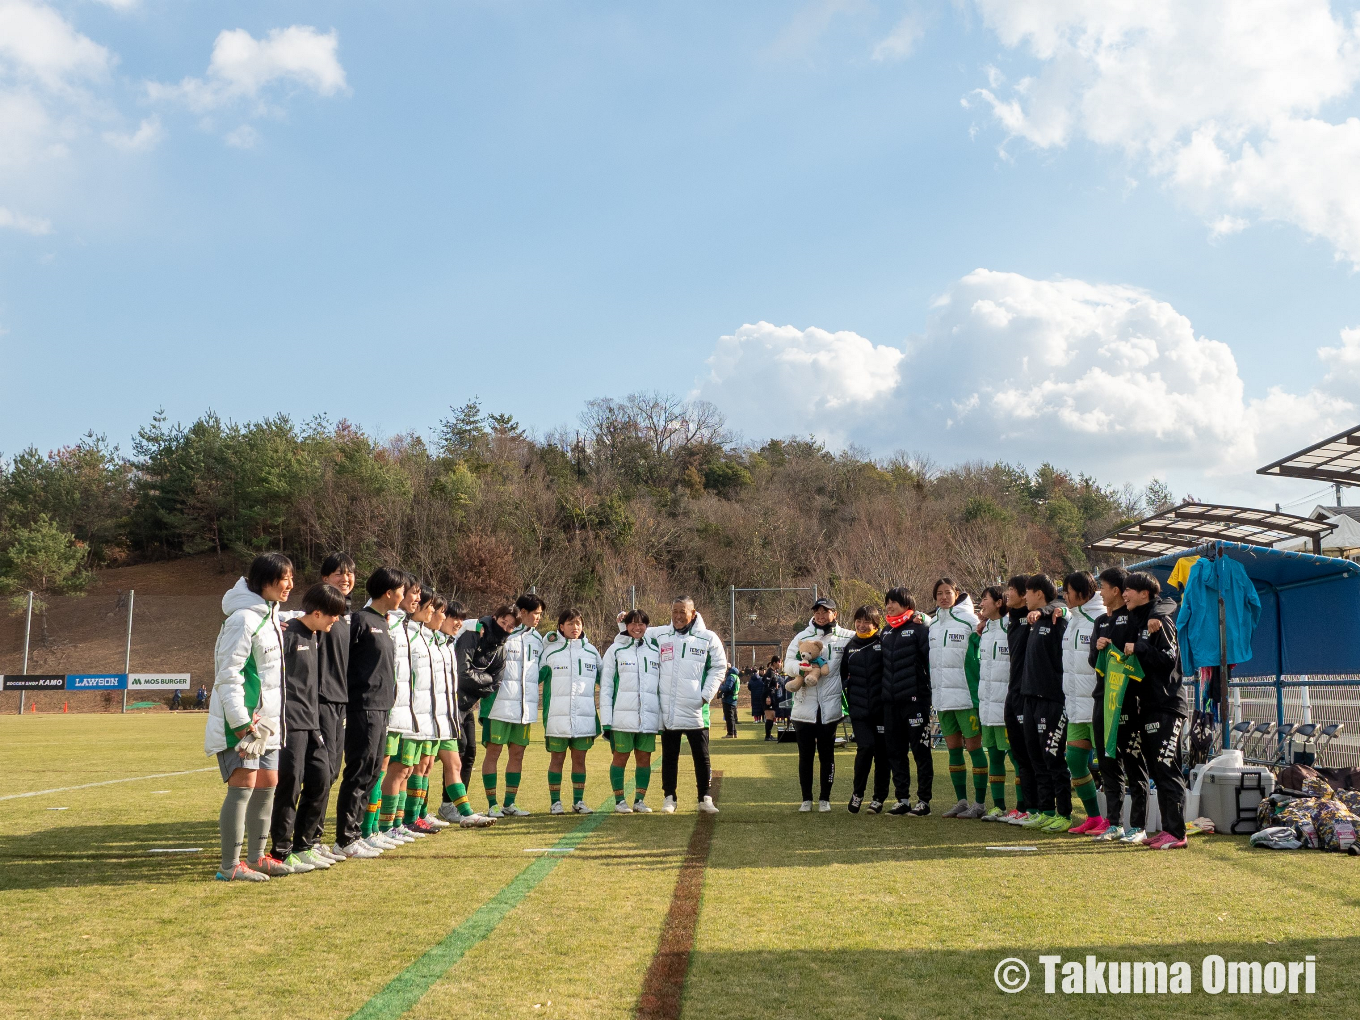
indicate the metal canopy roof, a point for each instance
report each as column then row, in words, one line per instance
column 1332, row 460
column 1192, row 524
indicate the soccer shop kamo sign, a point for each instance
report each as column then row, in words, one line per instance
column 34, row 682
column 158, row 681
column 96, row 681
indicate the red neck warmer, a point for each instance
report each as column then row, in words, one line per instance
column 897, row 621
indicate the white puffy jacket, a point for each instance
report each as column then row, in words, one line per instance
column 994, row 673
column 630, row 679
column 1079, row 678
column 400, row 719
column 949, row 632
column 445, row 687
column 692, row 665
column 248, row 670
column 568, row 675
column 821, row 700
column 422, row 679
column 517, row 696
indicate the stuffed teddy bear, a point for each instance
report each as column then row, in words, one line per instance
column 811, row 663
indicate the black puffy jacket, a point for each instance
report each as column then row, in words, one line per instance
column 1160, row 656
column 906, row 663
column 1043, row 655
column 1017, row 637
column 862, row 678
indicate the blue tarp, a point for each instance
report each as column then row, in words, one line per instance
column 1310, row 608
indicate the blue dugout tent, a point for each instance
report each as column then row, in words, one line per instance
column 1310, row 611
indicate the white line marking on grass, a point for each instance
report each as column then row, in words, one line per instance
column 1012, row 848
column 58, row 809
column 106, row 782
column 177, row 850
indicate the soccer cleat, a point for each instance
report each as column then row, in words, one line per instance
column 668, row 805
column 557, row 808
column 297, row 865
column 476, row 821
column 1110, row 834
column 920, row 809
column 329, row 852
column 956, row 810
column 582, row 808
column 855, row 801
column 902, row 807
column 422, row 825
column 707, row 807
column 875, row 807
column 449, row 813
column 1036, row 820
column 271, row 866
column 435, row 821
column 412, row 834
column 242, row 873
column 1160, row 840
column 993, row 815
column 1058, row 823
column 641, row 807
column 1014, row 816
column 496, row 812
column 1173, row 844
column 1135, row 836
column 824, row 805
column 1100, row 826
column 621, row 808
column 514, row 811
column 974, row 812
column 358, row 848
column 380, row 843
column 316, row 859
column 1084, row 826
column 805, row 806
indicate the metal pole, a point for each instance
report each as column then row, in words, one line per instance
column 732, row 617
column 28, row 629
column 814, row 594
column 127, row 654
column 1223, row 670
column 632, row 598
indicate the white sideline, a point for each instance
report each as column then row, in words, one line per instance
column 106, row 782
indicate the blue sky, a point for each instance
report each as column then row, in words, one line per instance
column 392, row 209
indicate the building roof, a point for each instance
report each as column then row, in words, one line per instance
column 1332, row 460
column 1192, row 524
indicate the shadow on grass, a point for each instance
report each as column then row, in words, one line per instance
column 107, row 855
column 815, row 983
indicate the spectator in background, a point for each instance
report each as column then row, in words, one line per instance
column 176, row 702
column 730, row 689
column 201, row 698
column 774, row 695
column 755, row 684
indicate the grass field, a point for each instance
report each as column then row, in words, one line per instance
column 805, row 916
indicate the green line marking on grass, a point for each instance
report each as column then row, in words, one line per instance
column 410, row 986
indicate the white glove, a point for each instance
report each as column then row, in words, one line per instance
column 252, row 743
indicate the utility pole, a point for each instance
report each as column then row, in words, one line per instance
column 28, row 629
column 127, row 654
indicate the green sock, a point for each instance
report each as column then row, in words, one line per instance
column 997, row 776
column 424, row 796
column 410, row 811
column 458, row 797
column 1083, row 783
column 489, row 784
column 511, row 787
column 387, row 811
column 401, row 807
column 957, row 774
column 374, row 800
column 555, row 786
column 644, row 779
column 578, row 787
column 616, row 782
column 1049, row 814
column 979, row 760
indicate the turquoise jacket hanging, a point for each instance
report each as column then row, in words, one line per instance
column 1197, row 621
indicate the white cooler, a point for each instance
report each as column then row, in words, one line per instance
column 1228, row 791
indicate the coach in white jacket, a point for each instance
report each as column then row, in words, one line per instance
column 692, row 666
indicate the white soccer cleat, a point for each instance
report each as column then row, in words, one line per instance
column 513, row 811
column 668, row 806
column 641, row 807
column 706, row 806
column 582, row 808
column 435, row 822
column 476, row 821
column 496, row 812
column 621, row 808
column 557, row 808
column 805, row 806
column 356, row 849
column 824, row 805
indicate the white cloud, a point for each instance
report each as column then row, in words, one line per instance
column 1227, row 102
column 901, row 41
column 147, row 136
column 243, row 68
column 243, row 137
column 1097, row 377
column 119, row 5
column 28, row 224
column 40, row 47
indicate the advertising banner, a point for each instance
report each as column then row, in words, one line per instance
column 34, row 682
column 96, row 681
column 158, row 681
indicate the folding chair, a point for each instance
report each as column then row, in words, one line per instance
column 1237, row 736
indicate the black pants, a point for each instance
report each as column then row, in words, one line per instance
column 1046, row 742
column 769, row 726
column 1162, row 752
column 670, row 760
column 871, row 752
column 303, row 786
column 1014, row 717
column 816, row 738
column 333, row 739
column 906, row 730
column 730, row 718
column 1127, row 764
column 365, row 734
column 467, row 742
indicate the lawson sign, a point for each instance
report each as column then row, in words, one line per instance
column 96, row 681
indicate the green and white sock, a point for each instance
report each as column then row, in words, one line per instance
column 957, row 773
column 997, row 776
column 511, row 787
column 644, row 779
column 1083, row 783
column 387, row 811
column 578, row 787
column 458, row 797
column 489, row 785
column 411, row 810
column 979, row 760
column 555, row 786
column 616, row 782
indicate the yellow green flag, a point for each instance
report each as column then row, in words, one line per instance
column 1118, row 670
